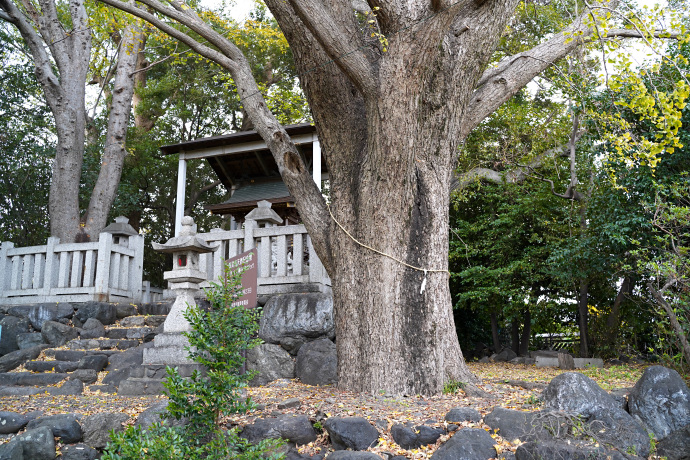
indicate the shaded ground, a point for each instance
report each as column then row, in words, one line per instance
column 512, row 386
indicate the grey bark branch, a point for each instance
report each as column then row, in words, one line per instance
column 510, row 177
column 673, row 319
column 105, row 189
column 347, row 53
column 499, row 84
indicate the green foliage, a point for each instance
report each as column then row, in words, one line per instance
column 27, row 145
column 219, row 336
column 452, row 387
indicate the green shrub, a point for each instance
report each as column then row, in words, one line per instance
column 219, row 337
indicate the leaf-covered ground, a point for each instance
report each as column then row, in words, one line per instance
column 511, row 386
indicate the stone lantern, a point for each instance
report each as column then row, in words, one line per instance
column 121, row 231
column 185, row 276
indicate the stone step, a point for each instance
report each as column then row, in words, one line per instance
column 140, row 320
column 105, row 344
column 51, row 366
column 75, row 355
column 30, row 378
column 141, row 387
column 130, row 333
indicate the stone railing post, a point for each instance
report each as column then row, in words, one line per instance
column 5, row 267
column 50, row 272
column 136, row 269
column 317, row 273
column 102, row 284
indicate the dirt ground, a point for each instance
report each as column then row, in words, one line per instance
column 510, row 386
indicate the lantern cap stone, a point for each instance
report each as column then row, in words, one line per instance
column 264, row 213
column 120, row 227
column 187, row 241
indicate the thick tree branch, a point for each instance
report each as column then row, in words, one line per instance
column 5, row 17
column 673, row 319
column 497, row 85
column 510, row 177
column 203, row 50
column 631, row 33
column 44, row 68
column 348, row 54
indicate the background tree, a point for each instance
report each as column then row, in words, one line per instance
column 58, row 37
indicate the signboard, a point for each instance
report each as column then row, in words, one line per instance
column 246, row 262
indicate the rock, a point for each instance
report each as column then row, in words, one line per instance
column 294, row 428
column 463, row 414
column 92, row 329
column 58, row 334
column 151, row 415
column 69, row 388
column 289, row 403
column 467, row 444
column 132, row 321
column 297, row 318
column 505, row 355
column 37, row 444
column 575, row 392
column 351, row 432
column 123, row 310
column 128, row 358
column 566, row 361
column 78, row 452
column 484, row 360
column 544, row 353
column 138, row 333
column 615, row 427
column 116, row 376
column 69, row 355
column 96, row 427
column 11, row 327
column 16, row 358
column 64, row 366
column 29, row 340
column 562, row 450
column 12, row 450
column 317, row 363
column 63, row 426
column 104, row 312
column 86, row 376
column 675, row 446
column 96, row 362
column 661, row 400
column 271, row 362
column 349, row 455
column 413, row 439
column 11, row 422
column 155, row 308
column 110, row 389
column 39, row 314
column 525, row 426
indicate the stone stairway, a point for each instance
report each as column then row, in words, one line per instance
column 98, row 359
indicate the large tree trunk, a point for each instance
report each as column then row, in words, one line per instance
column 526, row 332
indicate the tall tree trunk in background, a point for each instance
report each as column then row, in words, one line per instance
column 526, row 332
column 515, row 335
column 494, row 332
column 114, row 153
column 613, row 321
column 676, row 327
column 64, row 93
column 583, row 317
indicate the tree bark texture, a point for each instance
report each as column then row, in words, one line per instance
column 390, row 124
column 494, row 332
column 114, row 153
